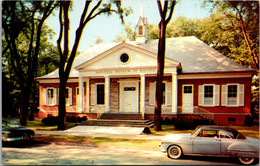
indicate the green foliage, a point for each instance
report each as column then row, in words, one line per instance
column 24, row 41
column 126, row 34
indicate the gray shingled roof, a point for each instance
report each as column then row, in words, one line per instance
column 194, row 55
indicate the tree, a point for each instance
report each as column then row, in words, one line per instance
column 22, row 29
column 127, row 33
column 242, row 15
column 165, row 18
column 66, row 57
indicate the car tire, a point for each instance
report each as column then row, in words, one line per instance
column 174, row 152
column 246, row 160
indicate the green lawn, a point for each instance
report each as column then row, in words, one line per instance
column 252, row 131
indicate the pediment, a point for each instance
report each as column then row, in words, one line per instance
column 124, row 55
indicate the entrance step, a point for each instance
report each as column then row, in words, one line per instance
column 121, row 123
column 127, row 116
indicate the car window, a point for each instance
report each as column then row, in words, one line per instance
column 208, row 133
column 224, row 135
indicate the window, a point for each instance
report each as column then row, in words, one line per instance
column 50, row 96
column 124, row 58
column 224, row 135
column 232, row 95
column 187, row 89
column 129, row 89
column 231, row 119
column 166, row 93
column 100, row 94
column 208, row 95
column 163, row 94
column 208, row 133
column 68, row 96
column 140, row 30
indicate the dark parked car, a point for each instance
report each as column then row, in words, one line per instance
column 13, row 131
column 212, row 141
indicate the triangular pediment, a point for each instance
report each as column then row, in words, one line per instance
column 124, row 56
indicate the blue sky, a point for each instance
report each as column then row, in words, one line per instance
column 108, row 27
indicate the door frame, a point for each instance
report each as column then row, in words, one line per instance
column 127, row 83
column 191, row 109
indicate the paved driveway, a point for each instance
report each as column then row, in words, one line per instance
column 77, row 154
column 104, row 131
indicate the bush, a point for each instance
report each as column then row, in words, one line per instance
column 249, row 121
column 190, row 124
column 50, row 121
column 75, row 119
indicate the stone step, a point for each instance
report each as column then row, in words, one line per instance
column 125, row 123
column 126, row 116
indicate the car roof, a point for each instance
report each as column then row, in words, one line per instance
column 8, row 120
column 217, row 127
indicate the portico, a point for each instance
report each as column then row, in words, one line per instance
column 128, row 92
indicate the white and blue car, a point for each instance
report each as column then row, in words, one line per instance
column 212, row 141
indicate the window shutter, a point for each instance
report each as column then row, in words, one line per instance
column 201, row 95
column 241, row 94
column 55, row 96
column 93, row 93
column 44, row 96
column 70, row 96
column 224, row 95
column 168, row 93
column 216, row 94
column 152, row 93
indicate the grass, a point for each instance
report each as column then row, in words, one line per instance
column 250, row 131
column 38, row 125
column 100, row 141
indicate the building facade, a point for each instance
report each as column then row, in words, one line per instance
column 120, row 78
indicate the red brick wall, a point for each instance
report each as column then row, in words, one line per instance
column 223, row 113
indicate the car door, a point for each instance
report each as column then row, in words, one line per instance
column 226, row 141
column 206, row 142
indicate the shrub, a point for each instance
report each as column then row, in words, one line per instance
column 190, row 124
column 249, row 121
column 167, row 121
column 50, row 121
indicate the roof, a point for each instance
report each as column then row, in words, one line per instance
column 194, row 55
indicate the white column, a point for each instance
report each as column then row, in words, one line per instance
column 142, row 95
column 107, row 93
column 174, row 92
column 87, row 94
column 81, row 94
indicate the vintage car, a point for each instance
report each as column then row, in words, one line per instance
column 13, row 131
column 212, row 141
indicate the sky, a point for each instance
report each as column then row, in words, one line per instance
column 108, row 28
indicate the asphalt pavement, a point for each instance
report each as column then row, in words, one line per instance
column 105, row 131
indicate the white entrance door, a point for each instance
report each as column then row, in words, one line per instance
column 129, row 96
column 187, row 99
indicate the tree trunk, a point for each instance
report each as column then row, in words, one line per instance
column 62, row 105
column 160, row 71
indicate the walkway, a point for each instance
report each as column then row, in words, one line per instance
column 104, row 131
